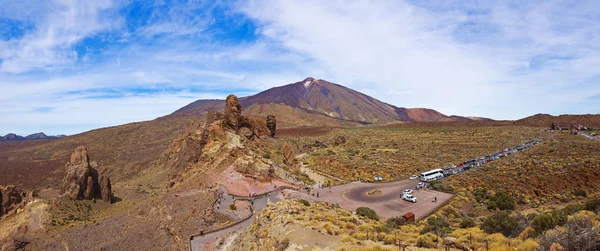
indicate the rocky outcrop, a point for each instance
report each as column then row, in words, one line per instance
column 223, row 133
column 233, row 113
column 339, row 140
column 288, row 154
column 12, row 198
column 271, row 124
column 81, row 181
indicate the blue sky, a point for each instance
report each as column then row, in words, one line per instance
column 70, row 66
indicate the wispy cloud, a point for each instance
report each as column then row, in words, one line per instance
column 487, row 59
column 68, row 66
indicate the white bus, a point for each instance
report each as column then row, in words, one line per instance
column 432, row 175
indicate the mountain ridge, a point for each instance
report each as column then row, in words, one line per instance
column 34, row 136
column 317, row 98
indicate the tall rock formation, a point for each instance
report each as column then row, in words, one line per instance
column 81, row 181
column 271, row 124
column 233, row 113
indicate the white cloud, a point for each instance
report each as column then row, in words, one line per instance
column 413, row 54
column 57, row 27
column 483, row 59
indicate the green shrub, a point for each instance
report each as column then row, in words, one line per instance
column 501, row 200
column 547, row 221
column 440, row 186
column 394, row 223
column 437, row 225
column 501, row 222
column 367, row 212
column 267, row 156
column 480, row 194
column 304, row 202
column 592, row 205
column 233, row 207
column 467, row 223
column 581, row 193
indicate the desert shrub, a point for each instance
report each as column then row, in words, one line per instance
column 543, row 222
column 389, row 239
column 427, row 241
column 304, row 202
column 394, row 223
column 501, row 222
column 367, row 212
column 501, row 200
column 283, row 244
column 571, row 209
column 267, row 156
column 467, row 223
column 361, row 236
column 437, row 225
column 581, row 193
column 592, row 205
column 348, row 239
column 480, row 194
column 440, row 186
column 580, row 233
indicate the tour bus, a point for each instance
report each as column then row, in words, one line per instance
column 432, row 175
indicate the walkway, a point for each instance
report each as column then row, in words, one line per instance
column 199, row 243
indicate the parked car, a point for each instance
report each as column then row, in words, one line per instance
column 408, row 197
column 414, row 177
column 407, row 191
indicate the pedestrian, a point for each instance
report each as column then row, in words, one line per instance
column 317, row 194
column 201, row 233
column 253, row 202
column 435, row 198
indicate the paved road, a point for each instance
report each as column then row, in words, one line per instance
column 199, row 242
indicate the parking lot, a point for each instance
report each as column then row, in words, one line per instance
column 388, row 204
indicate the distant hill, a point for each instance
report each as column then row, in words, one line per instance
column 546, row 120
column 316, row 102
column 39, row 135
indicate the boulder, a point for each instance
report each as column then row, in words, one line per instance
column 11, row 199
column 339, row 140
column 271, row 124
column 233, row 113
column 81, row 180
column 246, row 132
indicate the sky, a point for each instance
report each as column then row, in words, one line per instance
column 69, row 66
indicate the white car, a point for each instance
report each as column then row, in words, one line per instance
column 414, row 177
column 407, row 191
column 408, row 197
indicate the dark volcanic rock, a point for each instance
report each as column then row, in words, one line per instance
column 271, row 124
column 81, row 179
